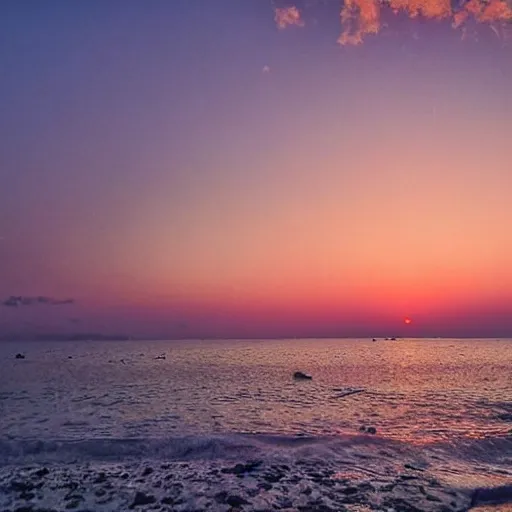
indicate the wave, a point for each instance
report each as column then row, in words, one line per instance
column 174, row 448
column 494, row 450
column 236, row 446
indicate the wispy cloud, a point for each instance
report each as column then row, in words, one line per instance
column 286, row 16
column 360, row 18
column 15, row 301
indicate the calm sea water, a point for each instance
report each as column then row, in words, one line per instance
column 427, row 393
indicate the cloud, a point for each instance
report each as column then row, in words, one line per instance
column 360, row 18
column 286, row 16
column 15, row 301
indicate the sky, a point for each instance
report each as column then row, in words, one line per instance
column 254, row 168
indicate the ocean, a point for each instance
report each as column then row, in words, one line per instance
column 448, row 402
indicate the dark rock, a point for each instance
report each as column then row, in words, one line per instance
column 157, row 484
column 41, row 472
column 252, row 492
column 505, row 416
column 301, row 376
column 168, row 500
column 285, row 502
column 265, row 485
column 142, row 498
column 236, row 501
column 255, row 464
column 19, row 356
column 27, row 495
column 232, row 500
column 101, row 477
column 307, row 491
column 24, row 508
column 72, row 504
column 74, row 497
column 18, row 486
column 147, row 471
column 366, row 487
column 371, row 430
column 240, row 469
column 69, row 485
column 100, row 492
column 362, row 428
column 350, row 490
column 273, row 477
column 414, row 467
column 221, row 497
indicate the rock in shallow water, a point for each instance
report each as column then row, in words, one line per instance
column 301, row 376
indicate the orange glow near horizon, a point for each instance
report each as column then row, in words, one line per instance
column 349, row 186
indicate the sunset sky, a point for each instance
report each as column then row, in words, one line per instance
column 247, row 168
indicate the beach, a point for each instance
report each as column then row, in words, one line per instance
column 190, row 426
column 308, row 485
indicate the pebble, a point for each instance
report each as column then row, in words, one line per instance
column 313, row 486
column 142, row 498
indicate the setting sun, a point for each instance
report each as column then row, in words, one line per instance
column 407, row 321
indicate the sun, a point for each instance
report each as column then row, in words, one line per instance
column 407, row 321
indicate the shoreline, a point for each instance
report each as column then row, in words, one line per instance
column 307, row 485
column 250, row 473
